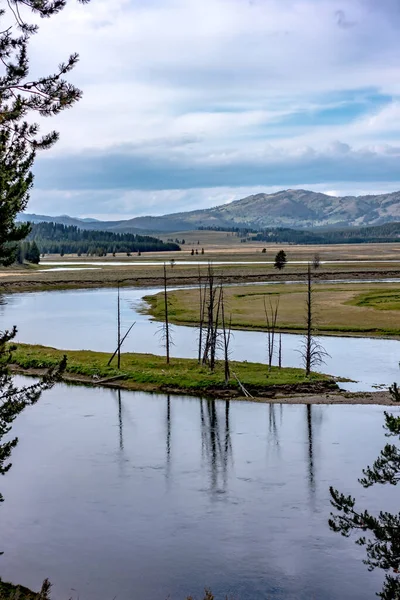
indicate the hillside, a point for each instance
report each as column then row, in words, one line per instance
column 288, row 208
column 56, row 238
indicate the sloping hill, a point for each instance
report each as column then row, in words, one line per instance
column 288, row 208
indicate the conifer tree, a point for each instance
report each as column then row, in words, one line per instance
column 20, row 97
column 280, row 260
column 378, row 534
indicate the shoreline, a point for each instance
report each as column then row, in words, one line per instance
column 22, row 286
column 275, row 396
column 35, row 281
column 149, row 373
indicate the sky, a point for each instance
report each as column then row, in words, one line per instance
column 189, row 104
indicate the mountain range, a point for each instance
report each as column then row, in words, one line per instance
column 287, row 208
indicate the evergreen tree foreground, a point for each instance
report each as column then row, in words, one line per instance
column 378, row 534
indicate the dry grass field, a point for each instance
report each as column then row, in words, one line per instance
column 359, row 309
column 243, row 263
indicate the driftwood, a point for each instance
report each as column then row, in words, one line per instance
column 245, row 392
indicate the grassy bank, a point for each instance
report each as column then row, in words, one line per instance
column 151, row 373
column 339, row 309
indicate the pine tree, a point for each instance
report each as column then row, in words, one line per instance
column 383, row 544
column 280, row 260
column 21, row 97
column 13, row 399
column 34, row 253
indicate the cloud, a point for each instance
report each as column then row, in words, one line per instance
column 182, row 94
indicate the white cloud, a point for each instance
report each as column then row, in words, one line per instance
column 218, row 82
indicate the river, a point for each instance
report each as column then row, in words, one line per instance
column 145, row 496
column 86, row 319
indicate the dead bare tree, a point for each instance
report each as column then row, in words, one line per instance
column 316, row 261
column 202, row 308
column 212, row 300
column 312, row 351
column 120, row 340
column 210, row 309
column 271, row 317
column 280, row 352
column 165, row 331
column 119, row 330
column 226, row 333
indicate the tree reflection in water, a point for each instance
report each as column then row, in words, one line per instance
column 216, row 443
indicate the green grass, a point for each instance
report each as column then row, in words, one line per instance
column 343, row 309
column 149, row 372
column 378, row 299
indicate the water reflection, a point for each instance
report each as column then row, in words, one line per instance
column 272, row 425
column 191, row 499
column 216, row 444
column 120, row 423
column 311, row 478
column 168, row 438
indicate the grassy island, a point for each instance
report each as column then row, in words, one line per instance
column 151, row 373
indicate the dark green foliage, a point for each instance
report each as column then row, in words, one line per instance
column 20, row 96
column 55, row 238
column 14, row 592
column 383, row 542
column 280, row 260
column 13, row 400
column 29, row 252
column 394, row 392
column 16, row 159
column 389, row 232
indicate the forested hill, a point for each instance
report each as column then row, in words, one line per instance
column 55, row 238
column 389, row 232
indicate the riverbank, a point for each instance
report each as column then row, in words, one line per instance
column 348, row 309
column 147, row 372
column 136, row 274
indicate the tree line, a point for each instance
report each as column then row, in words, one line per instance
column 56, row 238
column 389, row 232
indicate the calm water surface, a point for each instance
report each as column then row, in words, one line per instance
column 143, row 496
column 86, row 319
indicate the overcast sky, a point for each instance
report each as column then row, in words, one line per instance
column 192, row 103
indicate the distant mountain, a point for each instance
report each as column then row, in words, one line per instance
column 62, row 219
column 288, row 208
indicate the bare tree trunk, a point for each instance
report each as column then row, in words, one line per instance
column 313, row 352
column 167, row 344
column 271, row 316
column 119, row 329
column 210, row 314
column 280, row 352
column 226, row 336
column 309, row 306
column 214, row 337
column 202, row 306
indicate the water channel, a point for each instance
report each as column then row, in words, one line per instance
column 86, row 319
column 133, row 495
column 146, row 496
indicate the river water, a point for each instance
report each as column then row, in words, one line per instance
column 134, row 495
column 86, row 319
